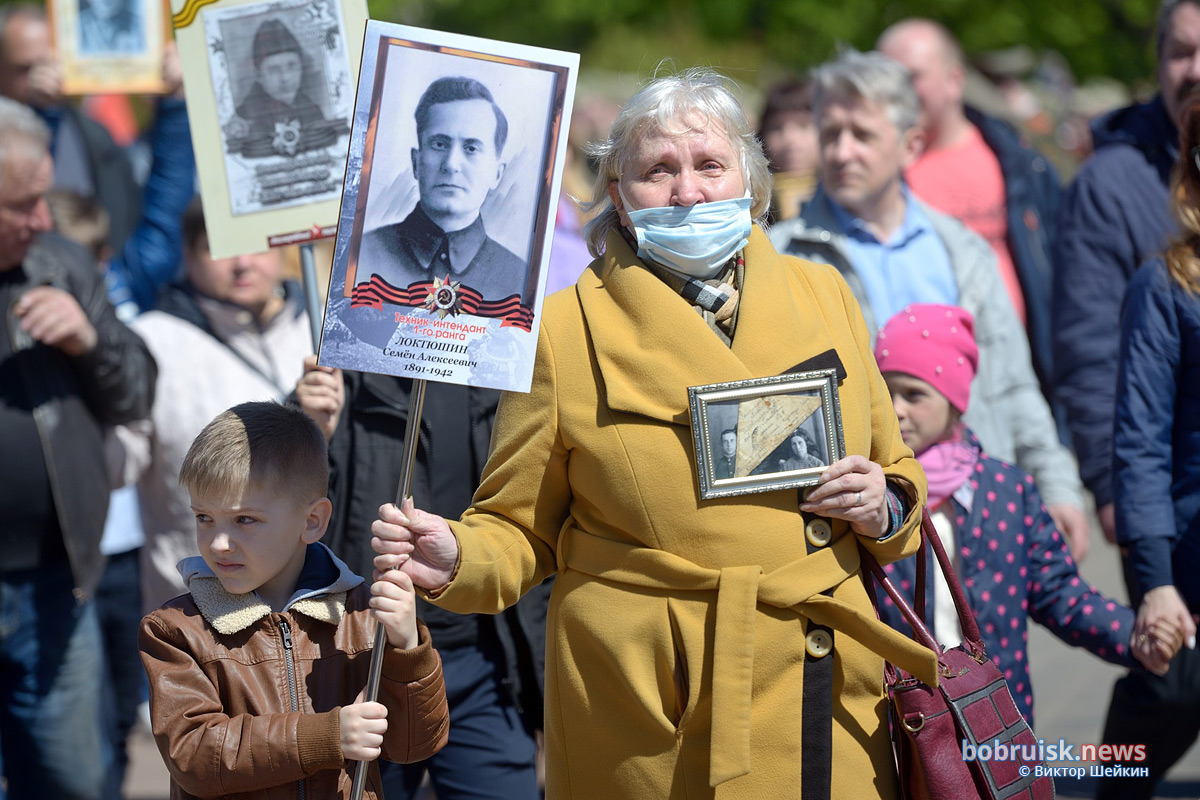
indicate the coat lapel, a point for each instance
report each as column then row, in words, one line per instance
column 780, row 323
column 651, row 345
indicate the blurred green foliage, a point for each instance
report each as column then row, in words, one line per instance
column 1097, row 37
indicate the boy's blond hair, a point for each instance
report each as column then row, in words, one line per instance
column 264, row 444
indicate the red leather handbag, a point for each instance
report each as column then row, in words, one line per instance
column 936, row 729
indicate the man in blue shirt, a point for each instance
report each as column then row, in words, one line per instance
column 882, row 264
column 893, row 250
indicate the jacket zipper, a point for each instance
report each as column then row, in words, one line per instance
column 285, row 631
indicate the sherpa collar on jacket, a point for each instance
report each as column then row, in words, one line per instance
column 320, row 592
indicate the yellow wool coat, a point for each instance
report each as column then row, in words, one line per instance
column 676, row 629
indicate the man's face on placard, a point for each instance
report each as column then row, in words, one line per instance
column 107, row 9
column 456, row 163
column 280, row 75
column 729, row 443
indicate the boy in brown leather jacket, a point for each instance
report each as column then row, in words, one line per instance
column 256, row 674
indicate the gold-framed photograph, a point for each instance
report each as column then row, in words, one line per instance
column 110, row 46
column 764, row 434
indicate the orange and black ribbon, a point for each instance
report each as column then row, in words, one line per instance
column 377, row 291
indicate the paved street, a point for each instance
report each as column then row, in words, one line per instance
column 147, row 778
column 1071, row 695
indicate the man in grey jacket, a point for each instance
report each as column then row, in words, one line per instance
column 893, row 250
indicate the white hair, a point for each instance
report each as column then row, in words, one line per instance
column 872, row 77
column 21, row 130
column 674, row 105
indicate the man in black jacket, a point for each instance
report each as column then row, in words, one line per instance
column 67, row 369
column 493, row 664
column 1114, row 217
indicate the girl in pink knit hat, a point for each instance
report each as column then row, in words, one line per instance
column 1010, row 558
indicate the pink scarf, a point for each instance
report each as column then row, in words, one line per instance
column 947, row 466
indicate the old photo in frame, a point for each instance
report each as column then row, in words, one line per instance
column 270, row 92
column 109, row 46
column 456, row 156
column 764, row 434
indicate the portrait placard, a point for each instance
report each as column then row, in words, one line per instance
column 270, row 92
column 456, row 156
column 109, row 46
column 764, row 434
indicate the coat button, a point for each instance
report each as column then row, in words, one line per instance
column 818, row 532
column 818, row 643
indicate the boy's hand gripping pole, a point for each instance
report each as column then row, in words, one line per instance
column 412, row 435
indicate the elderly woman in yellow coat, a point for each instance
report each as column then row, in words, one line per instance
column 695, row 648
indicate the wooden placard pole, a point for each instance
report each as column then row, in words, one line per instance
column 312, row 299
column 412, row 435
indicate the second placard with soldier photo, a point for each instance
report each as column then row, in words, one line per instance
column 109, row 46
column 270, row 89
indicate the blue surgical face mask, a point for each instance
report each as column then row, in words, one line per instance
column 691, row 240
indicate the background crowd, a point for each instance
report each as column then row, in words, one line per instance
column 925, row 171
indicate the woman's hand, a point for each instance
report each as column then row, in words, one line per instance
column 1157, row 645
column 1163, row 625
column 853, row 489
column 419, row 544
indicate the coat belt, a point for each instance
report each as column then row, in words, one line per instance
column 796, row 586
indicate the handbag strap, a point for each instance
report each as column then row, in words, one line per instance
column 921, row 632
column 922, row 568
column 966, row 617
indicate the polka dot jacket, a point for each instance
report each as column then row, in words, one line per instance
column 1014, row 566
